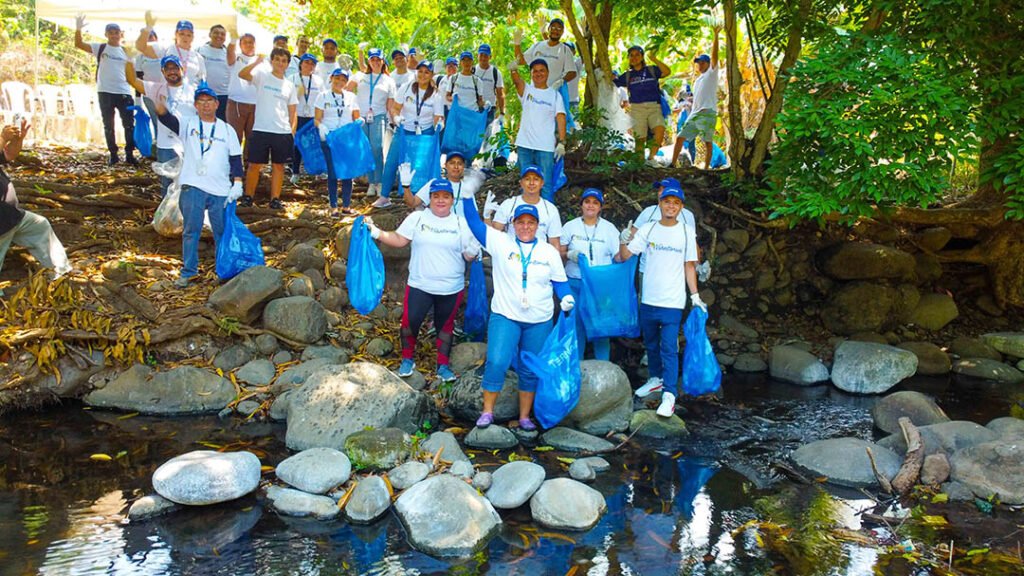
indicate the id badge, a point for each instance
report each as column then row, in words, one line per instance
column 201, row 170
column 419, row 130
column 524, row 302
column 369, row 116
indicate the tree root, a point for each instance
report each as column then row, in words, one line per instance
column 882, row 480
column 273, row 223
column 910, row 471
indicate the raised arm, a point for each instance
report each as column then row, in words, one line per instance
column 513, row 74
column 13, row 138
column 517, row 41
column 476, row 225
column 246, row 73
column 142, row 42
column 662, row 67
column 714, row 46
column 233, row 32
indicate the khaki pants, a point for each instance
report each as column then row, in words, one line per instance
column 35, row 234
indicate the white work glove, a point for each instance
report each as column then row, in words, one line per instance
column 501, row 119
column 560, row 151
column 627, row 233
column 359, row 121
column 363, row 46
column 324, row 131
column 472, row 251
column 439, row 125
column 573, row 255
column 488, row 105
column 557, row 84
column 374, row 231
column 698, row 303
column 490, row 206
column 517, row 37
column 405, row 174
column 567, row 303
column 513, row 66
column 236, row 191
column 472, row 181
column 397, row 119
column 150, row 19
column 79, row 21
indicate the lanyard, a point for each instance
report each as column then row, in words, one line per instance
column 590, row 238
column 524, row 259
column 182, row 59
column 338, row 108
column 309, row 86
column 419, row 105
column 373, row 84
column 203, row 151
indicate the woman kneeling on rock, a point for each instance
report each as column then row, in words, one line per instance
column 440, row 243
column 525, row 273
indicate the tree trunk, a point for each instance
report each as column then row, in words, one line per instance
column 594, row 51
column 738, row 142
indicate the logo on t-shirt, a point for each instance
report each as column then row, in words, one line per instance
column 532, row 98
column 516, row 257
column 424, row 227
column 663, row 247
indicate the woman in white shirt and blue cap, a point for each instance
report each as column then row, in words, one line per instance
column 376, row 94
column 336, row 108
column 308, row 87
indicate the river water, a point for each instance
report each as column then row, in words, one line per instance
column 670, row 510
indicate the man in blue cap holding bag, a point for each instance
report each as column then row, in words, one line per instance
column 491, row 82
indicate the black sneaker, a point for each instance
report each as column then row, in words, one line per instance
column 245, row 201
column 132, row 161
column 113, row 160
column 275, row 204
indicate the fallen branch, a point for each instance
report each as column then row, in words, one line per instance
column 636, row 205
column 89, row 244
column 910, row 471
column 272, row 223
column 750, row 218
column 133, row 299
column 882, row 480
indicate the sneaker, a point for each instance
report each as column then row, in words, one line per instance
column 382, row 202
column 643, row 361
column 294, row 179
column 348, row 211
column 485, row 420
column 371, row 190
column 335, row 213
column 668, row 404
column 275, row 204
column 653, row 385
column 113, row 160
column 132, row 161
column 406, row 368
column 245, row 201
column 527, row 425
column 181, row 282
column 445, row 373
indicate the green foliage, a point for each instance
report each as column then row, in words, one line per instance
column 602, row 148
column 868, row 121
column 59, row 61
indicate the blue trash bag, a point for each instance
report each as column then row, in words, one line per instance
column 143, row 136
column 666, row 108
column 365, row 277
column 570, row 122
column 238, row 248
column 476, row 303
column 423, row 153
column 701, row 374
column 558, row 367
column 464, row 131
column 307, row 142
column 608, row 302
column 350, row 151
column 718, row 157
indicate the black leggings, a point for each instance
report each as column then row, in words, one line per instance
column 108, row 103
column 417, row 304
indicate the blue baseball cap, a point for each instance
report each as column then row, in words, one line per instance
column 703, row 58
column 340, row 72
column 639, row 49
column 526, row 210
column 170, row 59
column 540, row 61
column 307, row 57
column 184, row 25
column 451, row 60
column 532, row 169
column 668, row 183
column 441, row 185
column 675, row 192
column 484, row 49
column 412, row 51
column 397, row 51
column 466, row 54
column 329, row 41
column 112, row 26
column 455, row 154
column 280, row 37
column 375, row 53
column 556, row 21
column 425, row 64
column 592, row 193
column 204, row 89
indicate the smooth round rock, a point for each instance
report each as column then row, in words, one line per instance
column 581, row 471
column 444, row 516
column 844, row 461
column 992, row 468
column 921, row 410
column 369, row 500
column 316, row 470
column 291, row 502
column 986, row 369
column 575, row 441
column 931, row 360
column 206, row 477
column 482, row 481
column 462, row 469
column 408, row 474
column 565, row 504
column 491, row 438
column 514, row 483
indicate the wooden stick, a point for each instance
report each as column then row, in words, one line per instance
column 882, row 480
column 910, row 471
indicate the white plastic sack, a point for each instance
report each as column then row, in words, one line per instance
column 167, row 220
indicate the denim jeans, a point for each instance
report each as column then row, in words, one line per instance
column 389, row 176
column 375, row 132
column 660, row 329
column 108, row 103
column 296, row 155
column 602, row 346
column 332, row 181
column 163, row 155
column 194, row 204
column 546, row 162
column 507, row 339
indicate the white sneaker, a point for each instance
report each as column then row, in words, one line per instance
column 294, row 179
column 371, row 190
column 668, row 405
column 653, row 385
column 382, row 202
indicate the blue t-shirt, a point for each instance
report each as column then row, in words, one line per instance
column 642, row 84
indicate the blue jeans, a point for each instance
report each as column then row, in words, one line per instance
column 332, row 181
column 389, row 176
column 546, row 162
column 375, row 132
column 660, row 329
column 194, row 204
column 602, row 346
column 163, row 155
column 505, row 340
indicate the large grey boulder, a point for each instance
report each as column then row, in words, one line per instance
column 466, row 400
column 647, row 424
column 931, row 360
column 290, row 502
column 512, row 484
column 444, row 516
column 245, row 295
column 967, row 347
column 150, row 506
column 988, row 370
column 945, row 437
column 298, row 374
column 206, row 477
column 992, row 468
column 303, row 257
column 181, row 390
column 606, row 399
column 921, row 410
column 1007, row 427
column 934, row 311
column 796, row 366
column 865, row 261
column 378, row 449
column 859, row 307
column 328, row 352
column 844, row 461
column 408, row 474
column 316, row 470
column 566, row 504
column 447, row 443
column 369, row 501
column 298, row 318
column 337, row 401
column 467, row 356
column 869, row 368
column 1010, row 343
column 575, row 441
column 493, row 437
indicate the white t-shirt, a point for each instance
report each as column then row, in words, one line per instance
column 401, row 79
column 383, row 88
column 150, row 67
column 180, row 102
column 543, row 268
column 574, row 84
column 599, row 243
column 222, row 143
column 192, row 63
column 323, row 70
column 293, row 66
column 338, row 108
column 537, row 124
column 242, row 91
column 416, row 109
column 465, row 87
column 424, row 194
column 705, row 91
column 308, row 89
column 436, row 265
column 486, row 81
column 650, row 214
column 668, row 249
column 110, row 73
column 559, row 58
column 273, row 96
column 218, row 76
column 550, row 225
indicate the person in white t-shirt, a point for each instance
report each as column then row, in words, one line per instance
column 704, row 116
column 147, row 68
column 217, row 56
column 301, row 49
column 113, row 90
column 241, row 94
column 558, row 56
column 376, row 93
column 211, row 173
column 308, row 86
column 335, row 108
column 549, row 225
column 443, row 80
column 441, row 246
column 465, row 183
column 541, row 137
column 192, row 64
column 526, row 272
column 574, row 84
column 465, row 85
column 492, row 83
column 597, row 240
column 273, row 130
column 402, row 73
column 671, row 244
column 324, row 68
